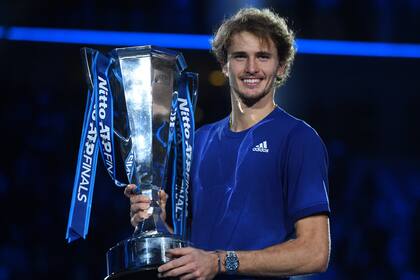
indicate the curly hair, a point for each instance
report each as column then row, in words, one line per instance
column 264, row 24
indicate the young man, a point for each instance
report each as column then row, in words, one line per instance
column 259, row 181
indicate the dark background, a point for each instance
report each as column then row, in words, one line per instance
column 365, row 109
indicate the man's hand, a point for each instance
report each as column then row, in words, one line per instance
column 190, row 263
column 139, row 205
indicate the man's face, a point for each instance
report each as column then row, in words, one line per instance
column 252, row 66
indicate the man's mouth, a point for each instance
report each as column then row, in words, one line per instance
column 251, row 81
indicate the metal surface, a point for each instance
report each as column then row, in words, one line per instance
column 144, row 81
column 147, row 78
column 140, row 254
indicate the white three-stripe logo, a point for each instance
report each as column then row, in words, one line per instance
column 262, row 147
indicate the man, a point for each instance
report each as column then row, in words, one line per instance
column 259, row 179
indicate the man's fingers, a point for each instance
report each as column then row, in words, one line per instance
column 128, row 191
column 140, row 203
column 191, row 264
column 139, row 199
column 137, row 218
column 138, row 207
column 163, row 196
column 181, row 251
column 180, row 270
column 173, row 264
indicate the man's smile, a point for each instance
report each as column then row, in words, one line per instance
column 251, row 82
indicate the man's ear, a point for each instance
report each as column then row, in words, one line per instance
column 281, row 70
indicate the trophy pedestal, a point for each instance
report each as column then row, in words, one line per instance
column 140, row 256
column 144, row 274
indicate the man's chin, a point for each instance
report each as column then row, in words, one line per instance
column 250, row 100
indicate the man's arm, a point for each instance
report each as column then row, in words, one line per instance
column 308, row 253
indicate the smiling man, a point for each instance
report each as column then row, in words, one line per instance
column 259, row 180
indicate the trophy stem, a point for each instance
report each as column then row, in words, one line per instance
column 153, row 224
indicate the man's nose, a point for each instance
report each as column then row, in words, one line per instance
column 252, row 66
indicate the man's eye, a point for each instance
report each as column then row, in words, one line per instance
column 239, row 56
column 264, row 57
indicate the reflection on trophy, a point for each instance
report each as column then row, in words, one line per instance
column 143, row 96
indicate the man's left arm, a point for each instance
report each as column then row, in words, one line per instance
column 307, row 253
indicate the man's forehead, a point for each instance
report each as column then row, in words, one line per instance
column 245, row 40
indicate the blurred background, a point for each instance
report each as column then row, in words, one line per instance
column 364, row 107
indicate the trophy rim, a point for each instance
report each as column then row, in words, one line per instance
column 121, row 263
column 156, row 235
column 151, row 49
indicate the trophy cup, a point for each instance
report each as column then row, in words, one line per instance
column 141, row 104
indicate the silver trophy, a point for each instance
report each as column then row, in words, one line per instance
column 145, row 84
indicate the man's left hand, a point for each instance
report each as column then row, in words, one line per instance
column 190, row 263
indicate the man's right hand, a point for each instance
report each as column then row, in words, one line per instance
column 139, row 205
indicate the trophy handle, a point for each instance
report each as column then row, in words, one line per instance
column 192, row 79
column 87, row 58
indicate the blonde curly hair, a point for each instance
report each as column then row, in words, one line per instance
column 264, row 24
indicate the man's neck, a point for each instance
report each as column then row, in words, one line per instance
column 243, row 117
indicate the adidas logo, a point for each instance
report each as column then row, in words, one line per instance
column 262, row 147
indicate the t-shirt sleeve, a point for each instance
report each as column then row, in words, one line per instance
column 306, row 174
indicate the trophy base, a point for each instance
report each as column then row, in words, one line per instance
column 140, row 256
